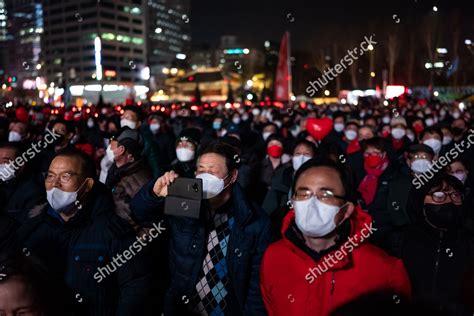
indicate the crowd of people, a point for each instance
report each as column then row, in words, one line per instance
column 371, row 214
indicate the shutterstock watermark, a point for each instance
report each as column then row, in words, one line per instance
column 331, row 260
column 421, row 179
column 346, row 61
column 129, row 253
column 8, row 172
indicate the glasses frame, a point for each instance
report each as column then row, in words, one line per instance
column 319, row 195
column 432, row 194
column 56, row 177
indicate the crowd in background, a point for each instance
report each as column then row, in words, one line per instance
column 279, row 200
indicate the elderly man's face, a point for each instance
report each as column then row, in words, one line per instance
column 213, row 164
column 7, row 155
column 16, row 299
column 65, row 174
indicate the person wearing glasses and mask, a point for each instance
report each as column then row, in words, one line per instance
column 77, row 232
column 214, row 260
column 437, row 248
column 324, row 260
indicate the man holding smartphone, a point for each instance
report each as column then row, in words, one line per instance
column 214, row 260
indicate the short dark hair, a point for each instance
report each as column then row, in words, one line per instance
column 377, row 142
column 221, row 148
column 87, row 164
column 69, row 126
column 306, row 143
column 431, row 130
column 328, row 163
column 9, row 145
column 135, row 109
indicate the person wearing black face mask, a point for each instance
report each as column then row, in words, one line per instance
column 437, row 249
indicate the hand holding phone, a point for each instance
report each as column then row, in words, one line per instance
column 162, row 183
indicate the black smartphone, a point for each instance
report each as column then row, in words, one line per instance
column 184, row 198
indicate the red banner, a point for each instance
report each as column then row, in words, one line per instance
column 283, row 74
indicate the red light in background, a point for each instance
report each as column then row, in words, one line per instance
column 194, row 108
column 110, row 73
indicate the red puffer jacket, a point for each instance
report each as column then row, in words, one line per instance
column 356, row 268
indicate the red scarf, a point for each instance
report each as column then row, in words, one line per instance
column 353, row 147
column 397, row 144
column 368, row 185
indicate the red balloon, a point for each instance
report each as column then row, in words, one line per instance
column 319, row 128
column 21, row 115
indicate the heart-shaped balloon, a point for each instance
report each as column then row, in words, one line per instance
column 319, row 128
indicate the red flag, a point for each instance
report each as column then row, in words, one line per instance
column 283, row 75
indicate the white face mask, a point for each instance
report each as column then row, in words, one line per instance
column 435, row 144
column 456, row 115
column 298, row 161
column 245, row 117
column 350, row 134
column 126, row 122
column 212, row 186
column 339, row 127
column 255, row 112
column 460, row 175
column 411, row 137
column 109, row 153
column 398, row 133
column 315, row 218
column 429, row 122
column 90, row 123
column 386, row 119
column 61, row 200
column 154, row 127
column 295, row 130
column 447, row 140
column 420, row 165
column 278, row 123
column 185, row 154
column 266, row 135
column 236, row 120
column 14, row 137
column 6, row 172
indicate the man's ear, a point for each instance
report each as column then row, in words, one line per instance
column 235, row 174
column 345, row 212
column 89, row 183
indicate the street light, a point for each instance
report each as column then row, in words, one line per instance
column 435, row 8
column 467, row 42
column 370, row 47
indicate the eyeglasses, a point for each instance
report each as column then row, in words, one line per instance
column 440, row 197
column 325, row 196
column 421, row 156
column 64, row 178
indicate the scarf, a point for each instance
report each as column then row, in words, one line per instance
column 353, row 147
column 368, row 185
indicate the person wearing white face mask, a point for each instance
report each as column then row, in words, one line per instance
column 226, row 215
column 269, row 129
column 339, row 122
column 186, row 147
column 279, row 192
column 163, row 139
column 132, row 118
column 432, row 137
column 324, row 242
column 20, row 189
column 458, row 169
column 18, row 132
column 79, row 219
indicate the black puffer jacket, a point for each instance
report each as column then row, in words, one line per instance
column 74, row 251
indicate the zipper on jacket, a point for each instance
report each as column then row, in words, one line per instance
column 438, row 251
column 333, row 284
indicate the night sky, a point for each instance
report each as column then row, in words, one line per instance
column 255, row 21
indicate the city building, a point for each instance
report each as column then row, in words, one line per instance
column 96, row 46
column 26, row 30
column 168, row 36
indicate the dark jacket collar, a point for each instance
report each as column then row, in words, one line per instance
column 242, row 208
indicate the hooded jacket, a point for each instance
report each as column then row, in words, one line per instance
column 293, row 283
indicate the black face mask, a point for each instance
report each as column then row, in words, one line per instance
column 457, row 131
column 442, row 216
